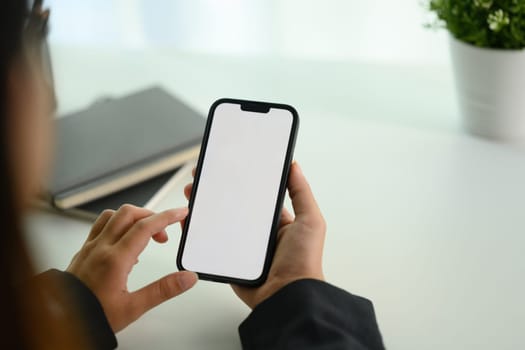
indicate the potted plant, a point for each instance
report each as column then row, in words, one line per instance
column 487, row 44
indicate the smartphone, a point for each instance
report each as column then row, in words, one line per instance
column 238, row 191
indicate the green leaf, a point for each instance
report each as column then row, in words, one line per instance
column 496, row 24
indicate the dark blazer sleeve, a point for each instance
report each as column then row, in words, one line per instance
column 81, row 305
column 311, row 314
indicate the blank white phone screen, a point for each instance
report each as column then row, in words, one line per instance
column 235, row 200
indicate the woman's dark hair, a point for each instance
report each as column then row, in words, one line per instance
column 14, row 262
column 25, row 320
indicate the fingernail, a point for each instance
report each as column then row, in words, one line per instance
column 186, row 280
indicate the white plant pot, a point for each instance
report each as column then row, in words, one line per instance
column 491, row 91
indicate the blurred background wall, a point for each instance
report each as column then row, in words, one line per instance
column 371, row 30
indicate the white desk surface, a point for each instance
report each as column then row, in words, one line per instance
column 423, row 220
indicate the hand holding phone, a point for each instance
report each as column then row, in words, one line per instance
column 300, row 242
column 240, row 183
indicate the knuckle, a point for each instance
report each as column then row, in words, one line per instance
column 141, row 225
column 107, row 212
column 126, row 209
column 166, row 290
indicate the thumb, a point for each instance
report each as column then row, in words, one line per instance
column 303, row 200
column 162, row 290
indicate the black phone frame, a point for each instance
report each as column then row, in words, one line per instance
column 256, row 106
